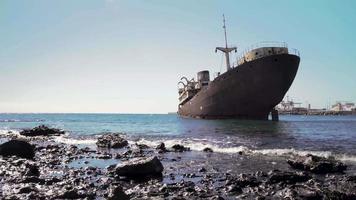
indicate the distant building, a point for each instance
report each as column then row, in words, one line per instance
column 338, row 106
column 287, row 105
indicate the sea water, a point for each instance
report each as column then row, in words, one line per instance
column 320, row 135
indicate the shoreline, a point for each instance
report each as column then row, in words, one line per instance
column 187, row 174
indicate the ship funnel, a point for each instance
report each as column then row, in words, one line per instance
column 203, row 77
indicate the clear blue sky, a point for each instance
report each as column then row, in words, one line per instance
column 127, row 56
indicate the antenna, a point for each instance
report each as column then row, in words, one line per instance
column 226, row 49
column 225, row 31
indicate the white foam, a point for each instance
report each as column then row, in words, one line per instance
column 9, row 132
column 348, row 158
column 193, row 144
column 291, row 151
column 66, row 140
column 199, row 145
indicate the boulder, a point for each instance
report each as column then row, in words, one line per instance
column 140, row 167
column 180, row 148
column 316, row 164
column 111, row 141
column 17, row 148
column 41, row 130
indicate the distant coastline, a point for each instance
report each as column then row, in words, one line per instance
column 317, row 112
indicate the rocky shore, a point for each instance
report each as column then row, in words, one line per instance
column 34, row 166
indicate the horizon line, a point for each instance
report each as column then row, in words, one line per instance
column 88, row 113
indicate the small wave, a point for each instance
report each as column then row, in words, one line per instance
column 6, row 132
column 67, row 140
column 291, row 151
column 200, row 146
column 194, row 145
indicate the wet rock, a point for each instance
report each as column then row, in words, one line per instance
column 317, row 164
column 117, row 193
column 17, row 148
column 42, row 130
column 234, row 189
column 242, row 181
column 32, row 170
column 142, row 146
column 207, row 149
column 277, row 176
column 217, row 198
column 111, row 141
column 351, row 178
column 75, row 194
column 104, row 156
column 27, row 189
column 202, row 169
column 161, row 147
column 140, row 167
column 33, row 179
column 302, row 192
column 180, row 148
column 335, row 194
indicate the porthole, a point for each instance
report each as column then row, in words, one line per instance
column 275, row 60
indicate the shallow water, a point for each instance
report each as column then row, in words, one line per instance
column 320, row 135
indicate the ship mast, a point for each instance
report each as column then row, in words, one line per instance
column 226, row 49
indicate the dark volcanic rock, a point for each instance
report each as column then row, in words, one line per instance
column 180, row 148
column 111, row 141
column 302, row 192
column 27, row 189
column 42, row 130
column 243, row 180
column 32, row 170
column 161, row 147
column 116, row 193
column 72, row 194
column 17, row 148
column 317, row 164
column 207, row 149
column 277, row 176
column 140, row 167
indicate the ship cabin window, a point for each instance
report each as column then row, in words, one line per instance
column 204, row 84
column 269, row 51
column 256, row 53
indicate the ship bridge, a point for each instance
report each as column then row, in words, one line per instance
column 264, row 49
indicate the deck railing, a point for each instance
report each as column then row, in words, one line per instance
column 267, row 44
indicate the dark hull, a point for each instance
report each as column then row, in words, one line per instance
column 249, row 91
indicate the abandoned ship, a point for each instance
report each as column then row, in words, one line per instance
column 249, row 89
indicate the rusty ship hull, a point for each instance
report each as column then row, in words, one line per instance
column 248, row 91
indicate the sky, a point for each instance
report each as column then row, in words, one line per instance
column 117, row 56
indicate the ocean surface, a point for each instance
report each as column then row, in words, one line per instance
column 319, row 135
